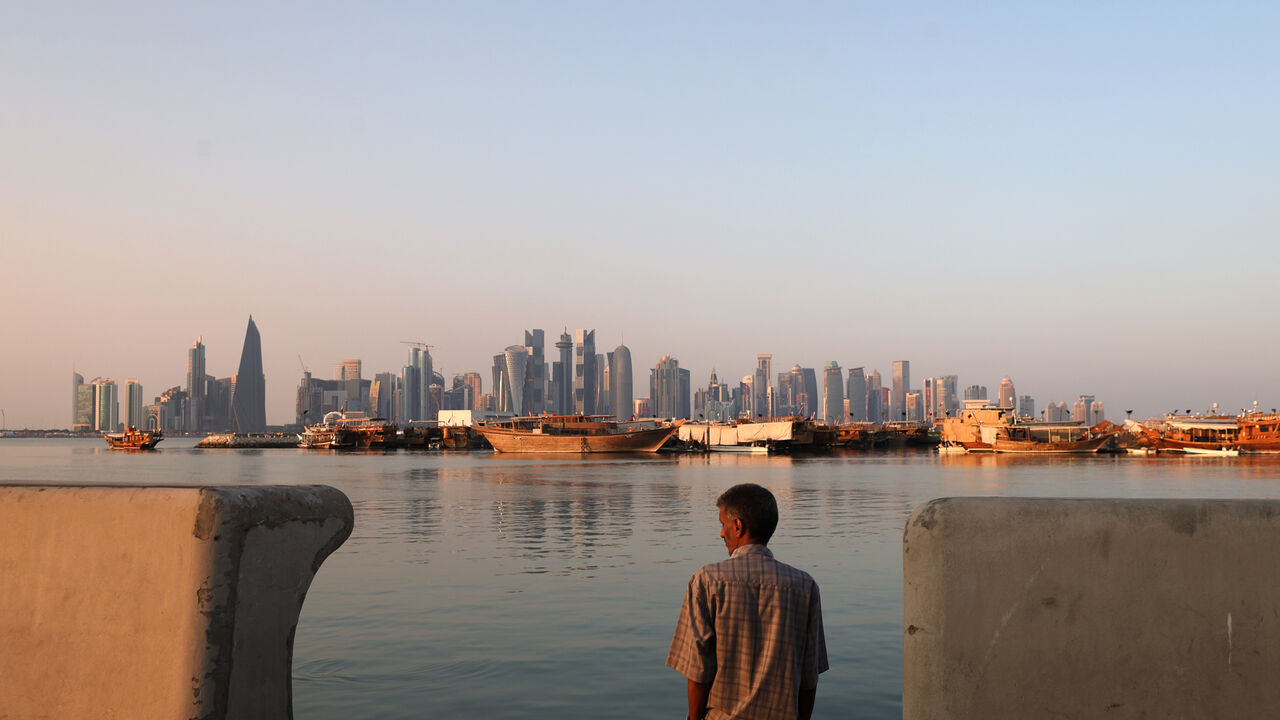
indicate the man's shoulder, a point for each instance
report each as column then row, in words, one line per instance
column 755, row 568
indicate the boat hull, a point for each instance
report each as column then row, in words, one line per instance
column 1193, row 447
column 1211, row 452
column 132, row 439
column 521, row 441
column 1081, row 447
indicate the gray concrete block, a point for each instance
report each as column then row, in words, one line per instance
column 157, row 602
column 1057, row 608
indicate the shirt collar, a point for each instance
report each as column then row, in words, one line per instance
column 753, row 549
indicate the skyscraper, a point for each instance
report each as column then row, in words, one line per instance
column 1056, row 412
column 195, row 386
column 516, row 358
column 760, row 386
column 535, row 387
column 947, row 400
column 133, row 404
column 564, row 378
column 901, row 386
column 856, row 390
column 620, row 378
column 584, row 371
column 833, row 394
column 809, row 381
column 1081, row 410
column 473, row 381
column 382, row 394
column 686, row 385
column 81, row 404
column 665, row 394
column 604, row 392
column 350, row 369
column 914, row 406
column 1026, row 406
column 249, row 403
column 875, row 408
column 415, row 385
column 975, row 392
column 410, row 390
column 106, row 405
column 1005, row 395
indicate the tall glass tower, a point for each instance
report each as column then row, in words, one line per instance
column 249, row 403
column 195, row 386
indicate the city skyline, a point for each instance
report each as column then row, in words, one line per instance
column 806, row 381
column 1075, row 197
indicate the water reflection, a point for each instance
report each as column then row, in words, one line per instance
column 509, row 587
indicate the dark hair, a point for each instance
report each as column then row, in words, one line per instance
column 754, row 506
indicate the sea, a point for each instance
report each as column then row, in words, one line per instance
column 505, row 586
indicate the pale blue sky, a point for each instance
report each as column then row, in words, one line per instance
column 1081, row 197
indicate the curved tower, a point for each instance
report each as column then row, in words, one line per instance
column 516, row 358
column 249, row 403
column 620, row 377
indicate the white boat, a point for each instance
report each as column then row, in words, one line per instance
column 752, row 449
column 1212, row 452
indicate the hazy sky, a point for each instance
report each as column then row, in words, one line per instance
column 1082, row 196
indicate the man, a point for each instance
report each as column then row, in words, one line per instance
column 749, row 638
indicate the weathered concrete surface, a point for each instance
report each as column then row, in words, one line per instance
column 1052, row 608
column 155, row 602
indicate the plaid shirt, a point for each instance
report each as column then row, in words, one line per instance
column 752, row 627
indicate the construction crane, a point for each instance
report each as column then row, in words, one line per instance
column 415, row 343
column 303, row 365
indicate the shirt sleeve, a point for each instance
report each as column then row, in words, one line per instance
column 815, row 652
column 693, row 649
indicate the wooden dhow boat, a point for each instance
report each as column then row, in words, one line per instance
column 1199, row 435
column 574, row 434
column 133, row 439
column 1053, row 438
column 1259, row 433
column 998, row 430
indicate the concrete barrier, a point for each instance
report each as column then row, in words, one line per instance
column 157, row 602
column 1050, row 608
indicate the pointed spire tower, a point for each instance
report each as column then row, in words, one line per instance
column 249, row 404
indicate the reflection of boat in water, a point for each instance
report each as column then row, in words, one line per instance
column 347, row 431
column 573, row 434
column 133, row 439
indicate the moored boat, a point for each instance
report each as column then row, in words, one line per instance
column 573, row 434
column 1203, row 435
column 1051, row 438
column 347, row 431
column 1259, row 433
column 998, row 430
column 133, row 439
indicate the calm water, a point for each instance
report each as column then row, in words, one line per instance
column 513, row 587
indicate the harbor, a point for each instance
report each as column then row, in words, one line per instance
column 490, row 583
column 974, row 430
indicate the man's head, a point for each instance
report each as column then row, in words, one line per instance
column 748, row 515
